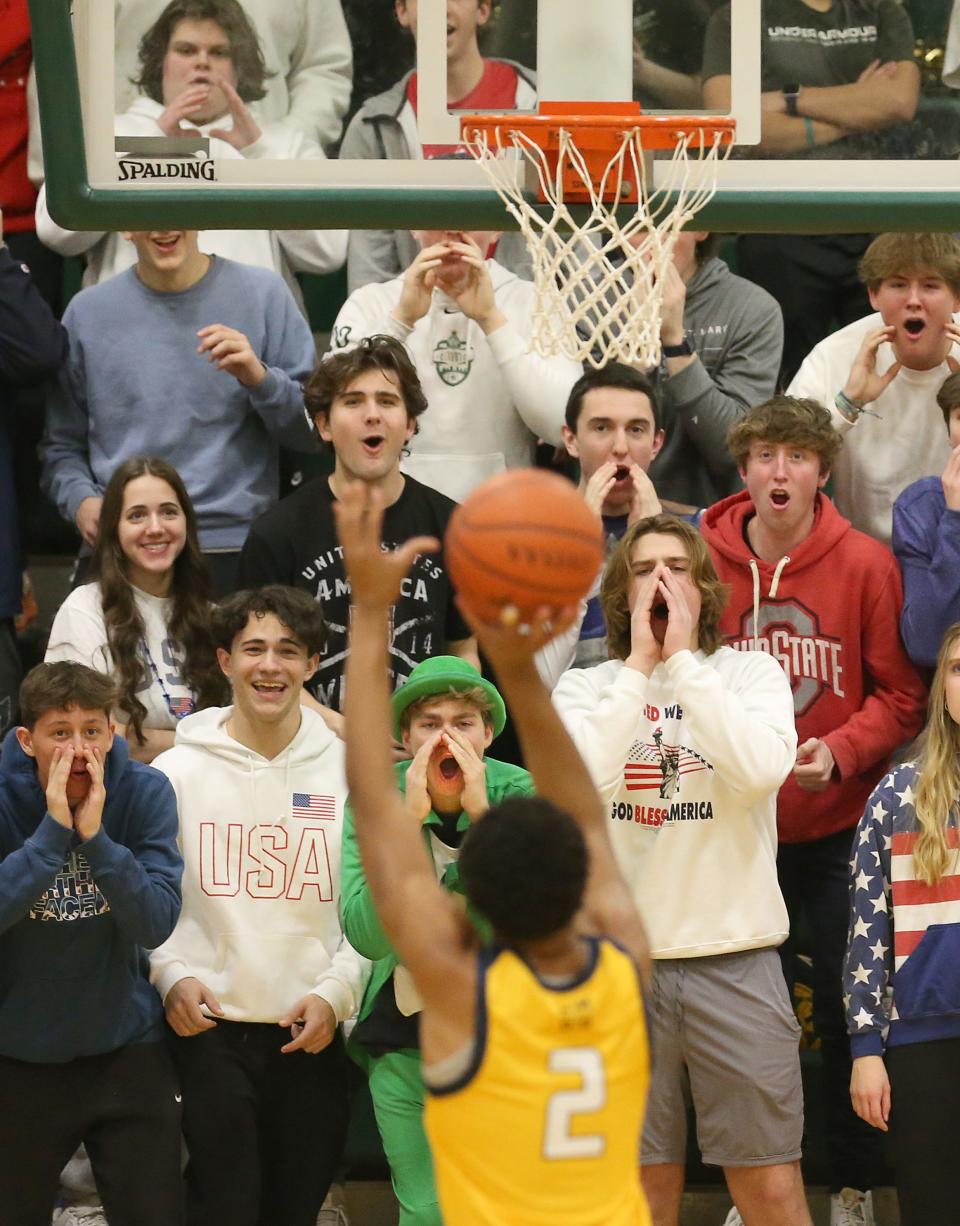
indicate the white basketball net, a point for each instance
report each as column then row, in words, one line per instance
column 600, row 282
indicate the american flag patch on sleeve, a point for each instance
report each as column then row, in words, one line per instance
column 306, row 804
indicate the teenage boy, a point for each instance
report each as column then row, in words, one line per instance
column 201, row 71
column 208, row 376
column 926, row 542
column 89, row 877
column 365, row 404
column 534, row 1051
column 688, row 742
column 824, row 600
column 879, row 376
column 612, row 429
column 257, row 975
column 386, row 127
column 466, row 322
column 445, row 714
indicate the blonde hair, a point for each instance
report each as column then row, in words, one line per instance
column 475, row 695
column 618, row 579
column 938, row 774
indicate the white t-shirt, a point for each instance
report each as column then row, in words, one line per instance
column 78, row 633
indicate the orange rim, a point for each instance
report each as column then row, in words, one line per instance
column 599, row 126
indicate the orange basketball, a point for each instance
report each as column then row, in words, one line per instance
column 523, row 538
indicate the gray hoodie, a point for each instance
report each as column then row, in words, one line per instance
column 736, row 329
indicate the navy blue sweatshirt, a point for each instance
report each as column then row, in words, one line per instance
column 32, row 346
column 76, row 917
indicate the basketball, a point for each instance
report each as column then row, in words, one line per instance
column 524, row 538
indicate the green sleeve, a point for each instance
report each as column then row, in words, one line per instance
column 361, row 924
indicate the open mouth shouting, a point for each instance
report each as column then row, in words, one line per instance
column 444, row 773
column 779, row 498
column 373, row 445
column 914, row 327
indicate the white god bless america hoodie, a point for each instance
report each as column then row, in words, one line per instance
column 260, row 840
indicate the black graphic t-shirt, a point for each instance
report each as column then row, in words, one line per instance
column 802, row 45
column 296, row 543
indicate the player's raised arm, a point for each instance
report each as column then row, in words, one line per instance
column 558, row 770
column 416, row 913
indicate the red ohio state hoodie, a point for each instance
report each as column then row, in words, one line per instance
column 829, row 612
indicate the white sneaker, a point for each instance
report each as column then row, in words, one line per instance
column 80, row 1215
column 733, row 1218
column 849, row 1207
column 333, row 1211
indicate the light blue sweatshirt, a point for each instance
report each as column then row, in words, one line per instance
column 134, row 384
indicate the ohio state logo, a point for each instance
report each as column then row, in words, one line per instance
column 790, row 632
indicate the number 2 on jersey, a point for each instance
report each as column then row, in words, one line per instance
column 563, row 1105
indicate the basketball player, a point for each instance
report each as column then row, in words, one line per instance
column 534, row 1050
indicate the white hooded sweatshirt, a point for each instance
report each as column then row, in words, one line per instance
column 690, row 761
column 260, row 839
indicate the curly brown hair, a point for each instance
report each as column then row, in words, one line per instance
column 337, row 371
column 618, row 579
column 189, row 623
column 245, row 50
column 786, row 419
column 894, row 255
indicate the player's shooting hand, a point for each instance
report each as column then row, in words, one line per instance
column 56, row 793
column 87, row 518
column 645, row 501
column 245, row 131
column 870, row 1090
column 645, row 651
column 88, row 814
column 814, row 767
column 599, row 486
column 375, row 576
column 474, row 796
column 672, row 306
column 312, row 1023
column 186, row 106
column 184, row 1005
column 683, row 615
column 229, row 350
column 511, row 641
column 416, row 292
column 417, row 797
column 863, row 384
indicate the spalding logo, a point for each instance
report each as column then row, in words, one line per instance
column 152, row 168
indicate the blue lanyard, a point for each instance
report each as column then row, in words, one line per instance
column 189, row 705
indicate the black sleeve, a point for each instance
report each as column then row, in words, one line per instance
column 716, row 46
column 263, row 558
column 33, row 344
column 894, row 32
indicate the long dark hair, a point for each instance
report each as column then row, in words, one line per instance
column 230, row 16
column 189, row 622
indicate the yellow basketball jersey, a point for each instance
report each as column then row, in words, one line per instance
column 545, row 1129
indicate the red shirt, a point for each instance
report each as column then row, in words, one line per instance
column 495, row 91
column 17, row 196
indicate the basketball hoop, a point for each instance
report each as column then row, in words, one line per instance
column 599, row 281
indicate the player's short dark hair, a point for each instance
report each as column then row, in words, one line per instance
column 230, row 16
column 524, row 867
column 948, row 397
column 612, row 374
column 297, row 610
column 337, row 371
column 706, row 248
column 60, row 686
column 895, row 255
column 796, row 420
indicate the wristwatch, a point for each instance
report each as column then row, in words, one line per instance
column 790, row 95
column 683, row 350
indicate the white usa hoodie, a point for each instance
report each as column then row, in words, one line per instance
column 260, row 839
column 690, row 761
